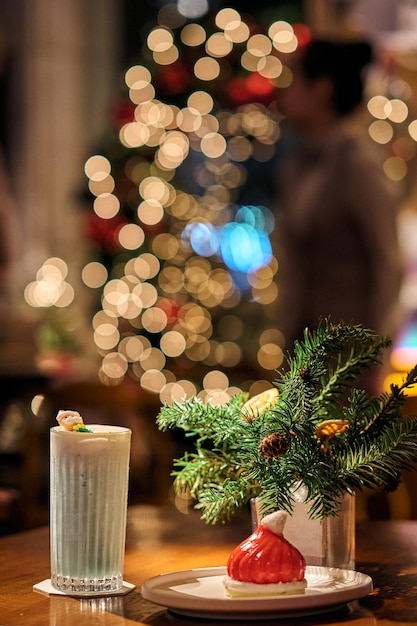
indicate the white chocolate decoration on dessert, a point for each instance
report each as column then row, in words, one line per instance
column 266, row 563
column 275, row 522
column 71, row 420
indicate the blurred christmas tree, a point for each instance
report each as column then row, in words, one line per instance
column 182, row 217
column 179, row 222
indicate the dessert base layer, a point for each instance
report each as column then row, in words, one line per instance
column 238, row 588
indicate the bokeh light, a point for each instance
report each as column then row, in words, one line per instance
column 94, row 274
column 50, row 287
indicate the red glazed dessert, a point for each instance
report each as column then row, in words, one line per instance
column 266, row 563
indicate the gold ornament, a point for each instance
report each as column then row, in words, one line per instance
column 259, row 404
column 329, row 428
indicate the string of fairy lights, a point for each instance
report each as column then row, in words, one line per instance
column 185, row 256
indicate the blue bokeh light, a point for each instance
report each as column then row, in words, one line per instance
column 244, row 248
column 259, row 217
column 203, row 238
column 243, row 245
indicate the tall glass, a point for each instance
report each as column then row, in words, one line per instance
column 88, row 503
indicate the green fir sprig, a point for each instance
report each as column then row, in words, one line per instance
column 320, row 430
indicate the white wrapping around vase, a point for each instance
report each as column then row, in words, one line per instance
column 329, row 543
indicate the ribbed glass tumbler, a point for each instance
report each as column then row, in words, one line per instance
column 88, row 503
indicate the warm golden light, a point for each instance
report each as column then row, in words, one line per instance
column 412, row 129
column 53, row 268
column 239, row 148
column 228, row 354
column 272, row 335
column 103, row 317
column 166, row 57
column 193, row 35
column 131, row 236
column 114, row 366
column 265, row 294
column 160, row 40
column 154, row 320
column 146, row 266
column 106, row 336
column 216, row 397
column 94, row 275
column 50, row 288
column 395, row 168
column 153, row 381
column 132, row 347
column 165, row 246
column 150, row 212
column 215, row 380
column 226, row 16
column 377, row 107
column 188, row 120
column 142, row 95
column 178, row 391
column 249, row 61
column 259, row 45
column 97, row 168
column 207, row 68
column 209, row 124
column 152, row 359
column 106, row 205
column 103, row 186
column 138, row 77
column 173, row 343
column 218, row 46
column 237, row 31
column 147, row 293
column 283, row 37
column 201, row 101
column 134, row 135
column 270, row 356
column 269, row 67
column 381, row 131
column 213, row 145
column 36, row 404
column 396, row 110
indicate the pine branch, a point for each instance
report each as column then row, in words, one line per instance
column 325, row 364
column 194, row 471
column 391, row 403
column 205, row 421
column 378, row 462
column 360, row 357
column 219, row 502
column 314, row 433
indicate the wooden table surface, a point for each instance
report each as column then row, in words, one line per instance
column 161, row 540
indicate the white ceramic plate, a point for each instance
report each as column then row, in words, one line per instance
column 200, row 593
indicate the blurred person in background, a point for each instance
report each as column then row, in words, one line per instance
column 336, row 227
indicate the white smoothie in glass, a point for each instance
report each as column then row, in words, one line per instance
column 88, row 502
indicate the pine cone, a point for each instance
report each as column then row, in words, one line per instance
column 274, row 445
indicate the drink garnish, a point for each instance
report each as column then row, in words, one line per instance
column 72, row 420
